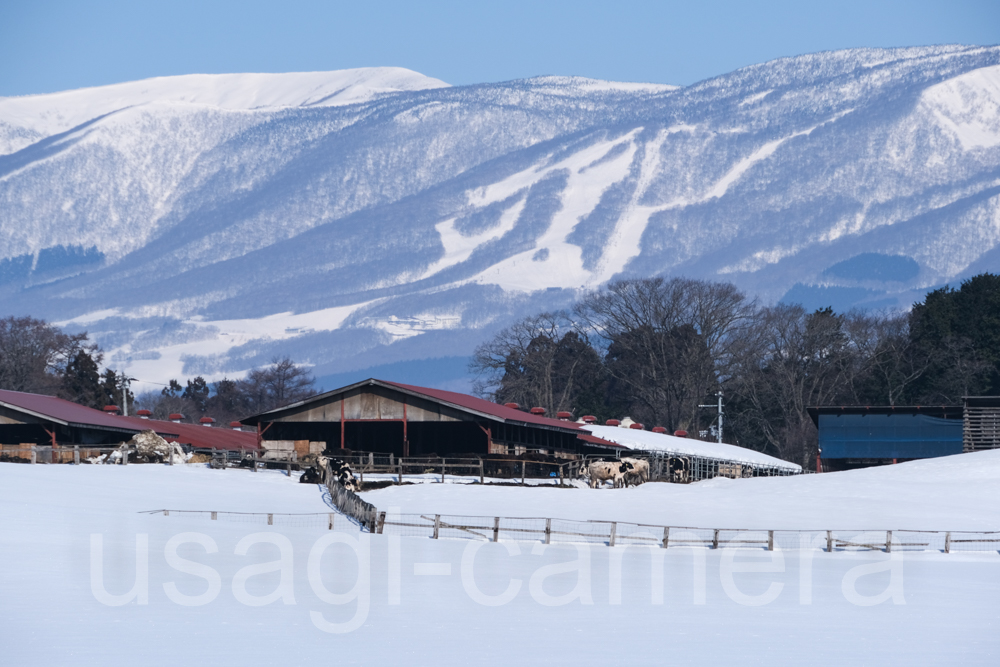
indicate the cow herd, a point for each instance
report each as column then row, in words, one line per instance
column 621, row 473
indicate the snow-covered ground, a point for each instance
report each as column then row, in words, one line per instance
column 218, row 592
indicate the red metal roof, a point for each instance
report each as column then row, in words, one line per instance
column 503, row 412
column 199, row 436
column 62, row 411
column 67, row 413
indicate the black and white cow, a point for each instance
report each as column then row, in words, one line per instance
column 340, row 471
column 602, row 471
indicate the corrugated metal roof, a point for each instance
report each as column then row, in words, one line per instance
column 67, row 413
column 61, row 411
column 200, row 436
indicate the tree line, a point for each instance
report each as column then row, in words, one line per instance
column 657, row 349
column 38, row 357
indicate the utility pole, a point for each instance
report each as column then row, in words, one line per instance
column 718, row 430
column 126, row 382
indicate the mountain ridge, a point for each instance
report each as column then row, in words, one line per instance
column 412, row 224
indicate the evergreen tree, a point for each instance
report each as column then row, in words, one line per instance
column 81, row 382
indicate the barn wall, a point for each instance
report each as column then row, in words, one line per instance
column 373, row 402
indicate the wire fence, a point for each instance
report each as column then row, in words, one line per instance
column 613, row 533
column 326, row 520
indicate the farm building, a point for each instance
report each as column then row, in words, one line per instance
column 688, row 459
column 405, row 420
column 35, row 419
column 862, row 436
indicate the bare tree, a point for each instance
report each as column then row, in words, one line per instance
column 279, row 384
column 669, row 343
column 539, row 361
column 34, row 354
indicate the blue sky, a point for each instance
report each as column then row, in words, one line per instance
column 50, row 45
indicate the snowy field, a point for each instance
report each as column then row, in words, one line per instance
column 217, row 592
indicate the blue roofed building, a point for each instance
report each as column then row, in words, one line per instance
column 862, row 436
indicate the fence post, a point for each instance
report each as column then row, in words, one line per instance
column 770, row 540
column 715, row 539
column 166, row 512
column 437, row 525
column 371, row 459
column 614, row 529
column 215, row 516
column 947, row 542
column 888, row 541
column 391, row 460
column 523, row 464
column 442, row 470
column 381, row 522
column 666, row 536
column 125, row 458
column 288, row 466
column 400, row 470
column 481, row 471
column 331, row 521
column 76, row 455
column 270, row 519
column 496, row 529
column 829, row 541
column 561, row 473
column 253, row 461
column 548, row 531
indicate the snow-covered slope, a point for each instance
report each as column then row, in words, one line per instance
column 45, row 115
column 203, row 224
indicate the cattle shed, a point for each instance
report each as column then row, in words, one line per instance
column 862, row 436
column 406, row 420
column 36, row 419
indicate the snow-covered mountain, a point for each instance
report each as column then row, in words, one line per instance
column 202, row 224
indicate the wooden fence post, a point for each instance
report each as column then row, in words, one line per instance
column 437, row 525
column 215, row 516
column 270, row 519
column 496, row 529
column 888, row 541
column 125, row 458
column 481, row 471
column 561, row 474
column 34, row 455
column 715, row 539
column 947, row 542
column 442, row 470
column 400, row 470
column 829, row 541
column 523, row 465
column 381, row 523
column 288, row 466
column 331, row 522
column 614, row 530
column 76, row 455
column 666, row 536
column 166, row 512
column 770, row 540
column 548, row 531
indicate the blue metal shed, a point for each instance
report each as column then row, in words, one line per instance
column 870, row 435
